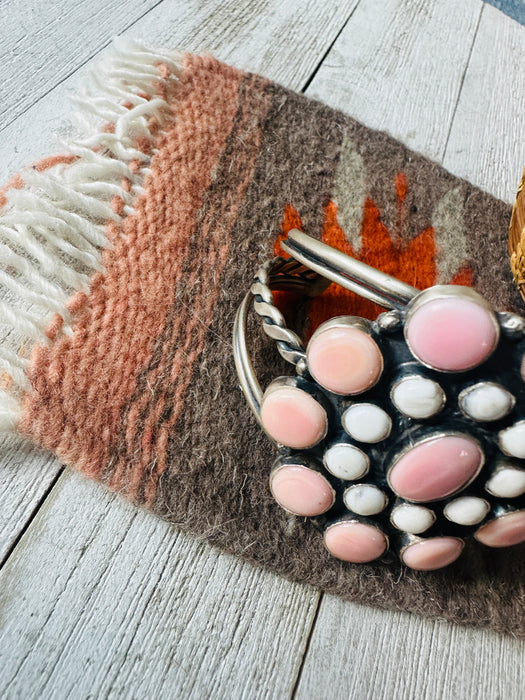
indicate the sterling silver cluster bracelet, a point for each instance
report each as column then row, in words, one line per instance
column 401, row 435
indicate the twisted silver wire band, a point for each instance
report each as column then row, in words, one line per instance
column 287, row 275
column 277, row 274
column 312, row 268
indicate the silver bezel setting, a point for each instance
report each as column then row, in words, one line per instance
column 356, row 323
column 500, row 466
column 353, row 447
column 465, row 495
column 413, row 376
column 303, row 385
column 429, row 438
column 497, row 517
column 298, row 460
column 473, row 387
column 363, row 520
column 408, row 540
column 353, row 487
column 442, row 291
column 365, row 403
column 416, row 505
column 509, row 427
column 307, row 272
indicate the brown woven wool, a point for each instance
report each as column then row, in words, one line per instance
column 133, row 382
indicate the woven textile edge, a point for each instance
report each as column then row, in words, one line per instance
column 55, row 215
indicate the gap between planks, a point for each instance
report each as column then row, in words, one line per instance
column 307, row 668
column 319, row 44
column 238, row 34
column 497, row 45
column 36, row 44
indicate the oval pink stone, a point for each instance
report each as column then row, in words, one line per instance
column 344, row 360
column 434, row 553
column 451, row 334
column 503, row 531
column 293, row 417
column 301, row 490
column 436, row 468
column 355, row 542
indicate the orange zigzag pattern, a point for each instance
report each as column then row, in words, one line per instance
column 413, row 262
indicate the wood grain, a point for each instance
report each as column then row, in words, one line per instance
column 114, row 602
column 44, row 42
column 204, row 625
column 99, row 599
column 368, row 653
column 391, row 68
column 487, row 143
column 411, row 656
column 26, row 474
column 234, row 31
column 284, row 41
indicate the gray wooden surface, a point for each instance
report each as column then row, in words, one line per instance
column 98, row 599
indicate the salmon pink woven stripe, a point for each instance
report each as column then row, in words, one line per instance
column 81, row 383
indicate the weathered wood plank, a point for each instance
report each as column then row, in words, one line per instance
column 40, row 46
column 25, row 476
column 174, row 613
column 487, row 144
column 391, row 68
column 283, row 40
column 359, row 652
column 112, row 602
column 94, row 647
column 512, row 8
column 385, row 654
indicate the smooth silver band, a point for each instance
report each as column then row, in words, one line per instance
column 313, row 266
column 277, row 274
column 348, row 272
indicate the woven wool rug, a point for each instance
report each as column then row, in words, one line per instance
column 124, row 260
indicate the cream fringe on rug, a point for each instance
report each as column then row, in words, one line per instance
column 53, row 223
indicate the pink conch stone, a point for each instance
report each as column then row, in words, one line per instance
column 293, row 417
column 355, row 542
column 434, row 553
column 436, row 468
column 451, row 334
column 344, row 360
column 301, row 490
column 503, row 531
